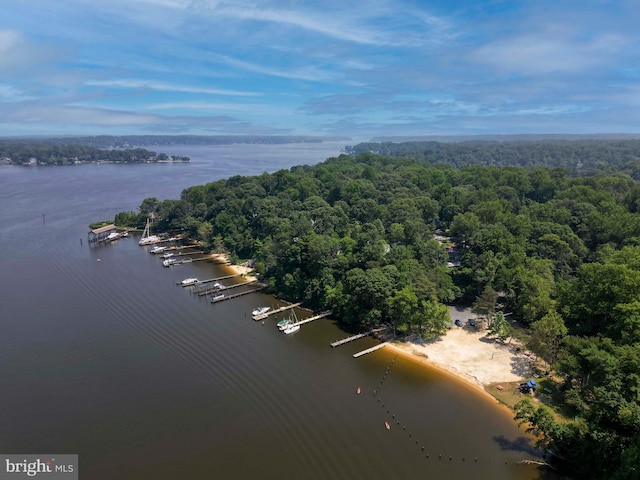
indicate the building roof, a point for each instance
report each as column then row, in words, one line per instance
column 106, row 228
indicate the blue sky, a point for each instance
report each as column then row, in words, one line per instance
column 351, row 68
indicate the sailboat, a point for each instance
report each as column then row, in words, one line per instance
column 288, row 325
column 147, row 238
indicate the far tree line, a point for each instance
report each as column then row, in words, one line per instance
column 68, row 154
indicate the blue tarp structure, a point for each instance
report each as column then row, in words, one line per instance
column 530, row 384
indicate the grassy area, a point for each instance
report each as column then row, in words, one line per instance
column 548, row 393
column 95, row 225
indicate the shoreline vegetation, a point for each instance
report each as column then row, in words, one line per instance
column 545, row 252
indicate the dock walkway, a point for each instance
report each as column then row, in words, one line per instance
column 311, row 319
column 356, row 337
column 239, row 294
column 203, row 289
column 277, row 310
column 369, row 350
column 214, row 289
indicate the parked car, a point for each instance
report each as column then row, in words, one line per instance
column 458, row 322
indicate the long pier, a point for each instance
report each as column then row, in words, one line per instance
column 239, row 294
column 369, row 350
column 224, row 289
column 311, row 319
column 207, row 289
column 355, row 337
column 278, row 310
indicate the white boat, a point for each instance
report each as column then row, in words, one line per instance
column 217, row 298
column 113, row 236
column 284, row 324
column 292, row 329
column 189, row 281
column 260, row 311
column 169, row 262
column 147, row 238
column 157, row 249
column 167, row 255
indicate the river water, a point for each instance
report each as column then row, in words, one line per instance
column 143, row 379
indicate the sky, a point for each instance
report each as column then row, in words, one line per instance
column 358, row 69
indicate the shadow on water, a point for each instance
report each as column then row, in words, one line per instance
column 520, row 444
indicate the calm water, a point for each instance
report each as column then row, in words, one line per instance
column 144, row 380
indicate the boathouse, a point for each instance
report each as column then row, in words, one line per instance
column 99, row 234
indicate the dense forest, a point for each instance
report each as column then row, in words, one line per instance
column 583, row 157
column 391, row 240
column 28, row 153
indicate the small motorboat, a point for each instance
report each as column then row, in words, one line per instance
column 217, row 298
column 283, row 324
column 189, row 281
column 260, row 311
column 292, row 329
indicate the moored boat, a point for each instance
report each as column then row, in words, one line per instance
column 147, row 238
column 217, row 298
column 170, row 261
column 157, row 249
column 260, row 311
column 283, row 324
column 189, row 281
column 291, row 329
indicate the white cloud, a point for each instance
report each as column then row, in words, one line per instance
column 168, row 87
column 549, row 51
column 17, row 53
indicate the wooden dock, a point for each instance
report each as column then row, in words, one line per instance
column 369, row 350
column 278, row 310
column 208, row 289
column 239, row 294
column 235, row 285
column 311, row 319
column 349, row 339
column 223, row 289
column 356, row 337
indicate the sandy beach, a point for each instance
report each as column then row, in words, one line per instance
column 243, row 270
column 470, row 354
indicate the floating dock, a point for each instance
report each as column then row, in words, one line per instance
column 278, row 310
column 369, row 350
